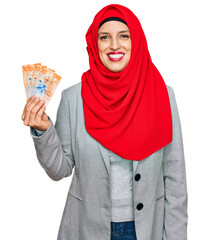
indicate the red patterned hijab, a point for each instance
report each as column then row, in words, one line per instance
column 128, row 112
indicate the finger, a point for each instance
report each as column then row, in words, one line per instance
column 24, row 110
column 28, row 109
column 33, row 116
column 40, row 113
column 33, row 100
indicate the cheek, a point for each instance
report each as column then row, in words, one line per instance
column 103, row 46
column 102, row 57
column 129, row 47
column 101, row 50
column 129, row 50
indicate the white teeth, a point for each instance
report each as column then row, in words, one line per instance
column 116, row 55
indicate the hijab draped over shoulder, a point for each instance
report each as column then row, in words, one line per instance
column 128, row 112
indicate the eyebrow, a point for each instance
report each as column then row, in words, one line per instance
column 119, row 32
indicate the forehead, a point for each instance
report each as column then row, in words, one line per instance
column 113, row 26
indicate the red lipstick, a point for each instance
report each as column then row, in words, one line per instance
column 115, row 56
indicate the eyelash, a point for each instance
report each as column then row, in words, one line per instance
column 124, row 35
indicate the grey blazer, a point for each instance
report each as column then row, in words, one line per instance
column 161, row 189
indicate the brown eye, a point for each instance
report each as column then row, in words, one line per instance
column 103, row 37
column 125, row 36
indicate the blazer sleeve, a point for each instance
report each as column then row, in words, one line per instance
column 36, row 132
column 175, row 221
column 53, row 148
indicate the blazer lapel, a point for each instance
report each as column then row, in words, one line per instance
column 135, row 164
column 105, row 155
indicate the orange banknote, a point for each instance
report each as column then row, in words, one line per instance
column 40, row 81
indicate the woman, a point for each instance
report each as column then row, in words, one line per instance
column 119, row 127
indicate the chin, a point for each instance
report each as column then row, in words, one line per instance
column 116, row 69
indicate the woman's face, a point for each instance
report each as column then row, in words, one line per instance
column 114, row 44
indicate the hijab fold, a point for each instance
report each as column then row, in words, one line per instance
column 128, row 112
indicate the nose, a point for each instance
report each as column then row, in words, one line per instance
column 114, row 44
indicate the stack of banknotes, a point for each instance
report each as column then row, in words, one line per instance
column 40, row 81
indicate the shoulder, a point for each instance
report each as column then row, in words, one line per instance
column 171, row 95
column 174, row 106
column 72, row 92
column 169, row 88
column 74, row 88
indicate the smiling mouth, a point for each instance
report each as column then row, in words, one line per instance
column 115, row 57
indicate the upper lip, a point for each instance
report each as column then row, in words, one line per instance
column 115, row 53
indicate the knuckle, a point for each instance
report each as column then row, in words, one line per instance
column 28, row 109
column 41, row 103
column 33, row 111
column 32, row 124
column 25, row 123
column 39, row 113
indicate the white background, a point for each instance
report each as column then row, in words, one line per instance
column 53, row 33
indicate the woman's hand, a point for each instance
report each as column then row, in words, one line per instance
column 34, row 115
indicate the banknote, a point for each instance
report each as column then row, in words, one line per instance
column 36, row 70
column 40, row 81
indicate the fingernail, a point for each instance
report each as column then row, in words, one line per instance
column 37, row 98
